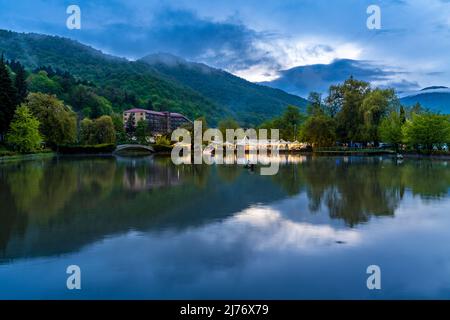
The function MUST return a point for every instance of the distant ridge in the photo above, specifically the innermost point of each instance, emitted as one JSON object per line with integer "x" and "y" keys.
{"x": 239, "y": 95}
{"x": 433, "y": 88}
{"x": 435, "y": 98}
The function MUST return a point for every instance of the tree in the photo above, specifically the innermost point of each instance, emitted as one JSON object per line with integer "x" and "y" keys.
{"x": 86, "y": 136}
{"x": 150, "y": 105}
{"x": 334, "y": 101}
{"x": 142, "y": 131}
{"x": 57, "y": 122}
{"x": 41, "y": 82}
{"x": 288, "y": 124}
{"x": 121, "y": 136}
{"x": 390, "y": 129}
{"x": 98, "y": 131}
{"x": 8, "y": 99}
{"x": 20, "y": 83}
{"x": 100, "y": 106}
{"x": 104, "y": 131}
{"x": 350, "y": 118}
{"x": 24, "y": 134}
{"x": 375, "y": 106}
{"x": 417, "y": 109}
{"x": 319, "y": 130}
{"x": 402, "y": 115}
{"x": 129, "y": 126}
{"x": 80, "y": 98}
{"x": 228, "y": 123}
{"x": 83, "y": 98}
{"x": 315, "y": 105}
{"x": 427, "y": 130}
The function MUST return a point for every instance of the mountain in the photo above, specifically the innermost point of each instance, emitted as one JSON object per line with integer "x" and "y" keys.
{"x": 251, "y": 103}
{"x": 435, "y": 98}
{"x": 107, "y": 72}
{"x": 168, "y": 82}
{"x": 318, "y": 77}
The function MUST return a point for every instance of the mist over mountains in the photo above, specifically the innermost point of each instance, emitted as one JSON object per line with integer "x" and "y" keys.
{"x": 318, "y": 77}
{"x": 169, "y": 82}
{"x": 163, "y": 81}
{"x": 244, "y": 99}
{"x": 436, "y": 98}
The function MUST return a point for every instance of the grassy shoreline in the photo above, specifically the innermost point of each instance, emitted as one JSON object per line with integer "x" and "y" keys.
{"x": 363, "y": 152}
{"x": 29, "y": 156}
{"x": 325, "y": 153}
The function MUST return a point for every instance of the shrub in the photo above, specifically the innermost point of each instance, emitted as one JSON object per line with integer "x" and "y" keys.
{"x": 6, "y": 153}
{"x": 87, "y": 149}
{"x": 162, "y": 148}
{"x": 163, "y": 141}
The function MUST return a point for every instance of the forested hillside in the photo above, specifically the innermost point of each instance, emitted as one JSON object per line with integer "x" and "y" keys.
{"x": 123, "y": 83}
{"x": 251, "y": 103}
{"x": 192, "y": 89}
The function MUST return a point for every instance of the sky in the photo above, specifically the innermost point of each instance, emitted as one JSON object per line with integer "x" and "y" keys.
{"x": 258, "y": 39}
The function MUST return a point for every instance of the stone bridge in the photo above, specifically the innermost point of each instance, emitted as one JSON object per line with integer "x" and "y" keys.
{"x": 133, "y": 147}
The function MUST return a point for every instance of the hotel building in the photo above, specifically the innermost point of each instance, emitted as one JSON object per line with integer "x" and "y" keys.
{"x": 160, "y": 122}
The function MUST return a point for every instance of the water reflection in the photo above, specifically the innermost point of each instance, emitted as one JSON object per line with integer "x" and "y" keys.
{"x": 87, "y": 199}
{"x": 354, "y": 189}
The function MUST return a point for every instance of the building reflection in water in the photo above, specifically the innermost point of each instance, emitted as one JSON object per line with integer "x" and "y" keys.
{"x": 151, "y": 176}
{"x": 257, "y": 159}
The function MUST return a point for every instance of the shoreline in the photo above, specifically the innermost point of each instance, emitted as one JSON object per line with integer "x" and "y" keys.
{"x": 27, "y": 157}
{"x": 426, "y": 156}
{"x": 46, "y": 155}
{"x": 352, "y": 153}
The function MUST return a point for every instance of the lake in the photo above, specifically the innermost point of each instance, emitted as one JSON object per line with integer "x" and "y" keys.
{"x": 142, "y": 228}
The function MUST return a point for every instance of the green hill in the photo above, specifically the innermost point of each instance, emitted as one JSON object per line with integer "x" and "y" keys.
{"x": 192, "y": 89}
{"x": 107, "y": 72}
{"x": 249, "y": 102}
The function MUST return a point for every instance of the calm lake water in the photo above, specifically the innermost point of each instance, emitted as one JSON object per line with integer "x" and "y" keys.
{"x": 144, "y": 228}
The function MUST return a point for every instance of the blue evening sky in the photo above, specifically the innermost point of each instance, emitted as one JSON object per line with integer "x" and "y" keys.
{"x": 256, "y": 39}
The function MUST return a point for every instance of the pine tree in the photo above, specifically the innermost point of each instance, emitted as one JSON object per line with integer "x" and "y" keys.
{"x": 21, "y": 84}
{"x": 8, "y": 99}
{"x": 130, "y": 125}
{"x": 402, "y": 115}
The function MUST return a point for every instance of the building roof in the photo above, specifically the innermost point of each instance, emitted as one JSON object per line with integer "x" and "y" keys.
{"x": 159, "y": 113}
{"x": 135, "y": 110}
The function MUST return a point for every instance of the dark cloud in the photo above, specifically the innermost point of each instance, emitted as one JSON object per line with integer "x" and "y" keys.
{"x": 435, "y": 73}
{"x": 232, "y": 34}
{"x": 226, "y": 44}
{"x": 402, "y": 86}
{"x": 318, "y": 77}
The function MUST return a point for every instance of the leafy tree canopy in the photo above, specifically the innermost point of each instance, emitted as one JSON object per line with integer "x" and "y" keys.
{"x": 57, "y": 121}
{"x": 24, "y": 134}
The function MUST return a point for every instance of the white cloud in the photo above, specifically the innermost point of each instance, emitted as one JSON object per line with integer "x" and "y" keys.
{"x": 289, "y": 53}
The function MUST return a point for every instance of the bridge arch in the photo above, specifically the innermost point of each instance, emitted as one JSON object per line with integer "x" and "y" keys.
{"x": 133, "y": 147}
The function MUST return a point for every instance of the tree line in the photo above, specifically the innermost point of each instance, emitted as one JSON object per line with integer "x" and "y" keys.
{"x": 32, "y": 116}
{"x": 354, "y": 113}
{"x": 52, "y": 106}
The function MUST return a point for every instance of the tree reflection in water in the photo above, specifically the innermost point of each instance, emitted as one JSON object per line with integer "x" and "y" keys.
{"x": 84, "y": 199}
{"x": 355, "y": 188}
